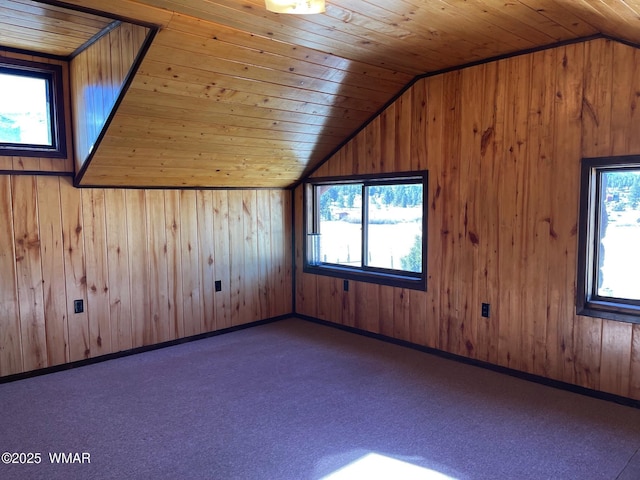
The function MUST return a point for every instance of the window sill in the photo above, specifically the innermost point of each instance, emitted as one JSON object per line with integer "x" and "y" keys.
{"x": 621, "y": 312}
{"x": 380, "y": 278}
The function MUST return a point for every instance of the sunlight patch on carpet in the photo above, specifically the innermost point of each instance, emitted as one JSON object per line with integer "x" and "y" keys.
{"x": 374, "y": 466}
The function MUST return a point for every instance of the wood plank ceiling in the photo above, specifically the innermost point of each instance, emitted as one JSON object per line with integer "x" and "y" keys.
{"x": 230, "y": 95}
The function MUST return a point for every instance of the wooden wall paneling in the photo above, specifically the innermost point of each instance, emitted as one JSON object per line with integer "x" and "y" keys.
{"x": 309, "y": 298}
{"x": 615, "y": 366}
{"x": 96, "y": 267}
{"x": 236, "y": 257}
{"x": 251, "y": 268}
{"x": 596, "y": 132}
{"x": 299, "y": 303}
{"x": 52, "y": 254}
{"x": 624, "y": 99}
{"x": 374, "y": 152}
{"x": 527, "y": 179}
{"x": 93, "y": 93}
{"x": 75, "y": 272}
{"x": 634, "y": 141}
{"x": 403, "y": 107}
{"x": 281, "y": 225}
{"x": 68, "y": 165}
{"x": 538, "y": 208}
{"x": 471, "y": 196}
{"x": 137, "y": 234}
{"x": 29, "y": 272}
{"x": 98, "y": 74}
{"x": 419, "y": 123}
{"x": 6, "y": 163}
{"x": 323, "y": 296}
{"x": 107, "y": 92}
{"x": 173, "y": 225}
{"x": 118, "y": 270}
{"x": 387, "y": 138}
{"x": 371, "y": 294}
{"x": 616, "y": 338}
{"x": 486, "y": 347}
{"x": 419, "y": 320}
{"x": 26, "y": 163}
{"x": 359, "y": 151}
{"x": 287, "y": 245}
{"x": 366, "y": 300}
{"x": 190, "y": 261}
{"x": 514, "y": 84}
{"x": 160, "y": 326}
{"x": 497, "y": 145}
{"x": 402, "y": 315}
{"x": 138, "y": 35}
{"x": 222, "y": 252}
{"x": 207, "y": 256}
{"x": 521, "y": 342}
{"x": 565, "y": 186}
{"x": 333, "y": 167}
{"x": 119, "y": 67}
{"x": 264, "y": 259}
{"x": 79, "y": 75}
{"x": 335, "y": 300}
{"x": 359, "y": 304}
{"x": 518, "y": 167}
{"x": 634, "y": 374}
{"x": 501, "y": 145}
{"x": 385, "y": 305}
{"x": 323, "y": 171}
{"x": 10, "y": 338}
{"x": 597, "y": 102}
{"x": 451, "y": 230}
{"x": 348, "y": 305}
{"x": 346, "y": 159}
{"x": 435, "y": 133}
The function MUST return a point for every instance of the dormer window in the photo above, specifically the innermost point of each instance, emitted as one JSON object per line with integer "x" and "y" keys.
{"x": 31, "y": 109}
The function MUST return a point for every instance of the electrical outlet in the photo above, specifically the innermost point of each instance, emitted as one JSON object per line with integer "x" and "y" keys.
{"x": 78, "y": 306}
{"x": 485, "y": 310}
{"x": 218, "y": 285}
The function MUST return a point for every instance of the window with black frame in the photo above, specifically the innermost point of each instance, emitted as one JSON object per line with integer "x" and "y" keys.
{"x": 31, "y": 115}
{"x": 370, "y": 228}
{"x": 609, "y": 255}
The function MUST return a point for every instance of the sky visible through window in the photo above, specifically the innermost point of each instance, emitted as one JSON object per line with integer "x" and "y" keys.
{"x": 619, "y": 258}
{"x": 24, "y": 110}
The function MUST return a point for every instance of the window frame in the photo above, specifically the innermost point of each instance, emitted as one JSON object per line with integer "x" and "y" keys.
{"x": 53, "y": 74}
{"x": 588, "y": 302}
{"x": 364, "y": 273}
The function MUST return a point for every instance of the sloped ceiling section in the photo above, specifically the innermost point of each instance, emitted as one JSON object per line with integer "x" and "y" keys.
{"x": 48, "y": 29}
{"x": 230, "y": 95}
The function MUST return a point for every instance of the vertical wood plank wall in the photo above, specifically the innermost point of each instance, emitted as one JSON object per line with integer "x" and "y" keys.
{"x": 503, "y": 143}
{"x": 143, "y": 261}
{"x": 37, "y": 164}
{"x": 98, "y": 74}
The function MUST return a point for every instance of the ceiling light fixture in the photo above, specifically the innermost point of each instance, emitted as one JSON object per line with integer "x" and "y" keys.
{"x": 295, "y": 6}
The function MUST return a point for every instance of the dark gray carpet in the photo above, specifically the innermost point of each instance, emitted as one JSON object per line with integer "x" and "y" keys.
{"x": 296, "y": 400}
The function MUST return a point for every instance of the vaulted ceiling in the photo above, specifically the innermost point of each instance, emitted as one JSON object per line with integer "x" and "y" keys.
{"x": 230, "y": 95}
